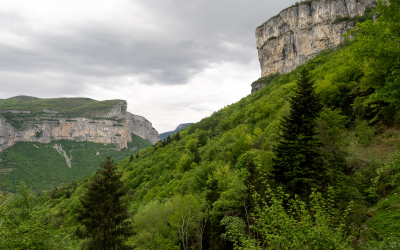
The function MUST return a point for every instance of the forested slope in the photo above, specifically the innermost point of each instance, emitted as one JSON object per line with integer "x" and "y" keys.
{"x": 213, "y": 188}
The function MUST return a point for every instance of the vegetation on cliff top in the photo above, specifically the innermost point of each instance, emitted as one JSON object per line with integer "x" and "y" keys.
{"x": 68, "y": 107}
{"x": 214, "y": 186}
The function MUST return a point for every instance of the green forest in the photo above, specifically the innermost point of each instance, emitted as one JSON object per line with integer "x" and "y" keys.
{"x": 42, "y": 168}
{"x": 243, "y": 178}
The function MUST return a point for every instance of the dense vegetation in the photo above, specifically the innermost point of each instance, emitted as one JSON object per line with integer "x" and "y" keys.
{"x": 42, "y": 168}
{"x": 214, "y": 187}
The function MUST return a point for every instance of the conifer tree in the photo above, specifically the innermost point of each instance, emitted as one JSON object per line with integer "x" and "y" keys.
{"x": 178, "y": 136}
{"x": 104, "y": 212}
{"x": 297, "y": 164}
{"x": 169, "y": 139}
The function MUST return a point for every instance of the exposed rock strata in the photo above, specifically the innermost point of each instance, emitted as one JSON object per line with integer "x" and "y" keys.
{"x": 116, "y": 127}
{"x": 300, "y": 32}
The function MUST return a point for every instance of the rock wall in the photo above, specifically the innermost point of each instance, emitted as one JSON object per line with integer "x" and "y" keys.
{"x": 114, "y": 127}
{"x": 300, "y": 32}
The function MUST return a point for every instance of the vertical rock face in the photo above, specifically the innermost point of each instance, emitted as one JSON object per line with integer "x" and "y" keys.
{"x": 116, "y": 127}
{"x": 300, "y": 32}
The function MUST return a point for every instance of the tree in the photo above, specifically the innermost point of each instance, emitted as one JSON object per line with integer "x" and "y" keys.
{"x": 177, "y": 136}
{"x": 297, "y": 164}
{"x": 188, "y": 212}
{"x": 104, "y": 212}
{"x": 284, "y": 223}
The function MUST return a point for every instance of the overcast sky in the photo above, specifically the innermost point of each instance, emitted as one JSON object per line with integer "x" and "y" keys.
{"x": 174, "y": 61}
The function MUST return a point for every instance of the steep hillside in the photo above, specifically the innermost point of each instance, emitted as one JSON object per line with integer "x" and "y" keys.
{"x": 208, "y": 165}
{"x": 215, "y": 187}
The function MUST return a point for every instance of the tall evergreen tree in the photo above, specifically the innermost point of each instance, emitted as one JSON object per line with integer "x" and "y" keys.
{"x": 169, "y": 139}
{"x": 297, "y": 164}
{"x": 177, "y": 136}
{"x": 104, "y": 212}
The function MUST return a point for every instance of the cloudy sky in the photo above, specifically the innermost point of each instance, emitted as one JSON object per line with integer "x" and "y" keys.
{"x": 174, "y": 61}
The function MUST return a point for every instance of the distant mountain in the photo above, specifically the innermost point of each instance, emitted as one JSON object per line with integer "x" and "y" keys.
{"x": 49, "y": 142}
{"x": 179, "y": 128}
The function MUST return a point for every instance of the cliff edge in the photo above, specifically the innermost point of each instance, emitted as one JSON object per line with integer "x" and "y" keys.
{"x": 79, "y": 119}
{"x": 300, "y": 32}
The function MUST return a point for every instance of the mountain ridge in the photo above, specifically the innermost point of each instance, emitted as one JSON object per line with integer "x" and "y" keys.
{"x": 164, "y": 135}
{"x": 28, "y": 119}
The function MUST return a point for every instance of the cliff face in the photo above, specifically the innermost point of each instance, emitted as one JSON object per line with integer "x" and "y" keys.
{"x": 301, "y": 32}
{"x": 115, "y": 126}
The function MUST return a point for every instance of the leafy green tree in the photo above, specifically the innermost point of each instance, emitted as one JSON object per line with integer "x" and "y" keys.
{"x": 298, "y": 165}
{"x": 25, "y": 224}
{"x": 104, "y": 212}
{"x": 284, "y": 223}
{"x": 185, "y": 162}
{"x": 152, "y": 228}
{"x": 192, "y": 145}
{"x": 188, "y": 212}
{"x": 202, "y": 138}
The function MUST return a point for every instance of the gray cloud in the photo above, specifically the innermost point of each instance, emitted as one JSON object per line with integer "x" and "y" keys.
{"x": 187, "y": 37}
{"x": 106, "y": 48}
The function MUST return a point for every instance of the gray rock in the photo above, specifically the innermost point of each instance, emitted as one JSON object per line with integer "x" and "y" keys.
{"x": 51, "y": 126}
{"x": 300, "y": 32}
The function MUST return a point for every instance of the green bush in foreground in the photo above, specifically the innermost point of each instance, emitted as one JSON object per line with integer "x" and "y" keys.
{"x": 281, "y": 223}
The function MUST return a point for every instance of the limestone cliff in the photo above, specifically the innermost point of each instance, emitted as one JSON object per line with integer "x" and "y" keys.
{"x": 300, "y": 32}
{"x": 113, "y": 126}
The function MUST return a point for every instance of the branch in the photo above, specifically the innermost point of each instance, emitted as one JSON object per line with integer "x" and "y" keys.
{"x": 393, "y": 39}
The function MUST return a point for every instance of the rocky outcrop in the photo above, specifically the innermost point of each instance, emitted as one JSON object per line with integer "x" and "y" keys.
{"x": 115, "y": 126}
{"x": 257, "y": 86}
{"x": 300, "y": 32}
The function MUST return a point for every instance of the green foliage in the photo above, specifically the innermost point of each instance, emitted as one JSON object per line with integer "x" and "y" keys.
{"x": 151, "y": 226}
{"x": 302, "y": 226}
{"x": 378, "y": 52}
{"x": 25, "y": 224}
{"x": 368, "y": 15}
{"x": 104, "y": 211}
{"x": 269, "y": 78}
{"x": 392, "y": 169}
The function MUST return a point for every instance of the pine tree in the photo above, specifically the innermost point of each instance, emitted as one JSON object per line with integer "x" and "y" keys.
{"x": 178, "y": 136}
{"x": 131, "y": 158}
{"x": 169, "y": 139}
{"x": 104, "y": 212}
{"x": 297, "y": 164}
